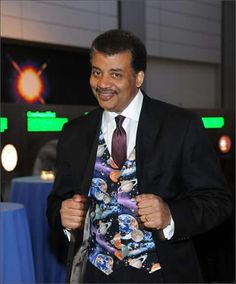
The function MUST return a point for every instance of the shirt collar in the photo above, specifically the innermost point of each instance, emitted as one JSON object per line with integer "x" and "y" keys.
{"x": 132, "y": 111}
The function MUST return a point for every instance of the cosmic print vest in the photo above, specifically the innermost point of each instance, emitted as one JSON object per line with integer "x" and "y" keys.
{"x": 117, "y": 238}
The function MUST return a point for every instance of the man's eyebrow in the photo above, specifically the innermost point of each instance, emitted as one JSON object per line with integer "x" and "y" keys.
{"x": 117, "y": 70}
{"x": 95, "y": 67}
{"x": 110, "y": 70}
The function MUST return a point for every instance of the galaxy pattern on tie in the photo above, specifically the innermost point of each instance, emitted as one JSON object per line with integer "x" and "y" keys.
{"x": 117, "y": 236}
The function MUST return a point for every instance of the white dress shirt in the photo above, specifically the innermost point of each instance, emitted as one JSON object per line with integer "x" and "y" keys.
{"x": 130, "y": 124}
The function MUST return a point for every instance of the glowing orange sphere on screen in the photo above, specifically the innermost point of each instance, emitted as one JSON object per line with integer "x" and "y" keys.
{"x": 30, "y": 85}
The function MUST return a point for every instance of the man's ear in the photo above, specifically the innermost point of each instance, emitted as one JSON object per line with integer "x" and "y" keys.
{"x": 139, "y": 79}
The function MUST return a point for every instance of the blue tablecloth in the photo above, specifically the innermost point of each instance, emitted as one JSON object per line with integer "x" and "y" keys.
{"x": 33, "y": 193}
{"x": 16, "y": 259}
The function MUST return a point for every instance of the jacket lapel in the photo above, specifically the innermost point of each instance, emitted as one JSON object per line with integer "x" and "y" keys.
{"x": 93, "y": 135}
{"x": 147, "y": 135}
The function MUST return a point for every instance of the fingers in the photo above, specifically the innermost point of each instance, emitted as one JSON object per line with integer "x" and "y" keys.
{"x": 143, "y": 196}
{"x": 153, "y": 211}
{"x": 73, "y": 223}
{"x": 80, "y": 198}
{"x": 147, "y": 203}
{"x": 73, "y": 211}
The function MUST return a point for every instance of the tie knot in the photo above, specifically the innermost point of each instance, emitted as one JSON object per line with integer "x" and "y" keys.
{"x": 119, "y": 120}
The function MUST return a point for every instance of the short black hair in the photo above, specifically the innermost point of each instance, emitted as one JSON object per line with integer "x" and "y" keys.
{"x": 116, "y": 41}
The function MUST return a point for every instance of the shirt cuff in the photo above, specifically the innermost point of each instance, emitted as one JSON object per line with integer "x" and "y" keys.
{"x": 67, "y": 233}
{"x": 168, "y": 231}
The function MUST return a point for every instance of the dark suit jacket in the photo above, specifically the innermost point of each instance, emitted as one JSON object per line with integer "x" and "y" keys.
{"x": 175, "y": 160}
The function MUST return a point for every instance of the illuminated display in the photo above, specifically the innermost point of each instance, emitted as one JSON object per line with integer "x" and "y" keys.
{"x": 30, "y": 85}
{"x": 47, "y": 121}
{"x": 44, "y": 121}
{"x": 3, "y": 124}
{"x": 41, "y": 114}
{"x": 213, "y": 122}
{"x": 37, "y": 73}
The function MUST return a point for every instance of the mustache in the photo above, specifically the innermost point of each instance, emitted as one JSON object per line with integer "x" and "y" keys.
{"x": 105, "y": 90}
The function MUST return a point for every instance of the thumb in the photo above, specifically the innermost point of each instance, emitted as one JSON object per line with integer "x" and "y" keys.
{"x": 79, "y": 198}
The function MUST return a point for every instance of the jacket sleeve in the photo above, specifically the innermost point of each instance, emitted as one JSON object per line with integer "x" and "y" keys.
{"x": 205, "y": 201}
{"x": 62, "y": 187}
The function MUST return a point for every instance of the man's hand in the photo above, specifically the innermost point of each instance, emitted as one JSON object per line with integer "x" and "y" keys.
{"x": 153, "y": 211}
{"x": 73, "y": 211}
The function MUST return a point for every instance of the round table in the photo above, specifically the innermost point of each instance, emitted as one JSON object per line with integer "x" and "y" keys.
{"x": 33, "y": 193}
{"x": 16, "y": 259}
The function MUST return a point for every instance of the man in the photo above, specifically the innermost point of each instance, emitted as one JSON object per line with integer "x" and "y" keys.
{"x": 145, "y": 169}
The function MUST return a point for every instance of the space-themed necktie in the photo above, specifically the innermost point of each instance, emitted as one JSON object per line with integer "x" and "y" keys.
{"x": 118, "y": 150}
{"x": 117, "y": 237}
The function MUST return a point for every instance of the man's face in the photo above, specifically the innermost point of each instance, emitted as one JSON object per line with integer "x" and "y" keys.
{"x": 113, "y": 81}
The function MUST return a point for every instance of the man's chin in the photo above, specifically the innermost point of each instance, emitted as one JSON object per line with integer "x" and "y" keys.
{"x": 107, "y": 107}
{"x": 107, "y": 104}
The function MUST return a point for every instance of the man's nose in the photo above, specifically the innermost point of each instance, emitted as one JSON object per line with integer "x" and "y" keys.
{"x": 104, "y": 82}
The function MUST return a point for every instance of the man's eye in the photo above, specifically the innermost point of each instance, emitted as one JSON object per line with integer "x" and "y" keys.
{"x": 96, "y": 73}
{"x": 116, "y": 75}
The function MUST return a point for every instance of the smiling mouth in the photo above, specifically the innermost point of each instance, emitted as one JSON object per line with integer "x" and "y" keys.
{"x": 105, "y": 94}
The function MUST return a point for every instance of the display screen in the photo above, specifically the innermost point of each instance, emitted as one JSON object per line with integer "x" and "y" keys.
{"x": 42, "y": 74}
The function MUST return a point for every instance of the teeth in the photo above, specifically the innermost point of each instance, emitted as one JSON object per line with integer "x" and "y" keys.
{"x": 105, "y": 94}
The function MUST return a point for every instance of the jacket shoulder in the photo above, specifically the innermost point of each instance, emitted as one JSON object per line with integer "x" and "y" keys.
{"x": 169, "y": 112}
{"x": 82, "y": 122}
